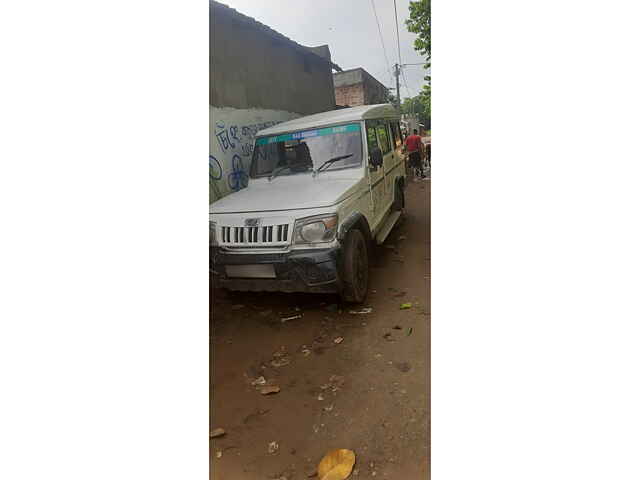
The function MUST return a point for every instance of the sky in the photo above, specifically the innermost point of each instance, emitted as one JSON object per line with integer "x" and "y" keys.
{"x": 349, "y": 28}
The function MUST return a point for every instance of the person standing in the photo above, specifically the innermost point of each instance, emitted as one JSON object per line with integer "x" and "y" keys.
{"x": 413, "y": 146}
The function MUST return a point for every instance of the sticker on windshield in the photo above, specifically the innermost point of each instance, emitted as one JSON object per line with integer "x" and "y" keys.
{"x": 352, "y": 127}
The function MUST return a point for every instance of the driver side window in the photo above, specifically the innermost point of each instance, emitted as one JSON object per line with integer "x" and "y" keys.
{"x": 372, "y": 141}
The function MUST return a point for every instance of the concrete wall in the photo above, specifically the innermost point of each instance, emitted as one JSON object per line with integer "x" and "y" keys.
{"x": 231, "y": 137}
{"x": 356, "y": 87}
{"x": 257, "y": 78}
{"x": 352, "y": 95}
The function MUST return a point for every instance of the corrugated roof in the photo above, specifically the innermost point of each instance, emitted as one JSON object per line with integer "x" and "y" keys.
{"x": 269, "y": 31}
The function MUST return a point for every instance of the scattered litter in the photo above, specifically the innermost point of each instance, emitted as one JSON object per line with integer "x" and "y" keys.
{"x": 218, "y": 432}
{"x": 406, "y": 306}
{"x": 293, "y": 317}
{"x": 273, "y": 447}
{"x": 378, "y": 355}
{"x": 399, "y": 294}
{"x": 237, "y": 307}
{"x": 401, "y": 237}
{"x": 328, "y": 408}
{"x": 397, "y": 327}
{"x": 320, "y": 397}
{"x": 410, "y": 331}
{"x": 259, "y": 381}
{"x": 280, "y": 358}
{"x": 219, "y": 454}
{"x": 337, "y": 464}
{"x": 280, "y": 362}
{"x": 338, "y": 340}
{"x": 305, "y": 351}
{"x": 269, "y": 389}
{"x": 336, "y": 382}
{"x": 362, "y": 311}
{"x": 388, "y": 337}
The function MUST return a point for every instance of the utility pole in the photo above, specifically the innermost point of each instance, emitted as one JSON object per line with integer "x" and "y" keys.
{"x": 397, "y": 74}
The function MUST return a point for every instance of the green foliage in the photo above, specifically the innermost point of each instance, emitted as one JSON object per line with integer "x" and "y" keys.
{"x": 419, "y": 105}
{"x": 419, "y": 22}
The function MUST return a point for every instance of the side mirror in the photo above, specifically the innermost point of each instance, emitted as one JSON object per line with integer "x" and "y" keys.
{"x": 375, "y": 157}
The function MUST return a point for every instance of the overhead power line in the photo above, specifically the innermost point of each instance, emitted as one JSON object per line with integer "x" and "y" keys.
{"x": 384, "y": 50}
{"x": 397, "y": 32}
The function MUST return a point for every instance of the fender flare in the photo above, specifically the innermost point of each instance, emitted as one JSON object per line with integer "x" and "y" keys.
{"x": 353, "y": 220}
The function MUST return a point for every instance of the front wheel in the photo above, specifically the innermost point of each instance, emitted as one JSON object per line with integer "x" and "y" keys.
{"x": 355, "y": 272}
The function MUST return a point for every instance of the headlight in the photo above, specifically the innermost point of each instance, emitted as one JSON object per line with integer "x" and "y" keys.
{"x": 315, "y": 229}
{"x": 212, "y": 233}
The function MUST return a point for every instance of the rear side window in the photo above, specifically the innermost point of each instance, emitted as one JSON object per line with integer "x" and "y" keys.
{"x": 397, "y": 136}
{"x": 372, "y": 142}
{"x": 383, "y": 137}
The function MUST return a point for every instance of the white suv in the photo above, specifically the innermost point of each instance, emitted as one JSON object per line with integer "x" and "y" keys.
{"x": 322, "y": 189}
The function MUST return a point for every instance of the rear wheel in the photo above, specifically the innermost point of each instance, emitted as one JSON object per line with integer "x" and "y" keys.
{"x": 355, "y": 271}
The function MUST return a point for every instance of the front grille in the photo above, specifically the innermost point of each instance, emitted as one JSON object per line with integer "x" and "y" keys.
{"x": 254, "y": 236}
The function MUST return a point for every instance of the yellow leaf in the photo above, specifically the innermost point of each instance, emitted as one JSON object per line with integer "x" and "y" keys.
{"x": 336, "y": 465}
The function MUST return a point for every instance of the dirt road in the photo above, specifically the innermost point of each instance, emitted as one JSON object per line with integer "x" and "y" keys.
{"x": 368, "y": 392}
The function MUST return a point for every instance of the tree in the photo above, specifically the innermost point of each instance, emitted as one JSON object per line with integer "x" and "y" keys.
{"x": 419, "y": 22}
{"x": 419, "y": 105}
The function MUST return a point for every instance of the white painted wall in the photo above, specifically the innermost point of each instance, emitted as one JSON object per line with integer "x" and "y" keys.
{"x": 231, "y": 135}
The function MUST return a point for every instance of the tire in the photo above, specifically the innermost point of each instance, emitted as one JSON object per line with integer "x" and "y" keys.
{"x": 355, "y": 270}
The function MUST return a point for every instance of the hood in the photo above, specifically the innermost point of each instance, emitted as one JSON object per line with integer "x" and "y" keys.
{"x": 287, "y": 193}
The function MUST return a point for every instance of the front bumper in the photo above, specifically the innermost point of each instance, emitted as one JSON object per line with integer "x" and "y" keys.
{"x": 313, "y": 270}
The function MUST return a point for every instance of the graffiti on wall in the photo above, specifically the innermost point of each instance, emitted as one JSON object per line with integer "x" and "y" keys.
{"x": 232, "y": 149}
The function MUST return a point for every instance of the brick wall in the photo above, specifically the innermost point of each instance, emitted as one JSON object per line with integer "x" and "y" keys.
{"x": 351, "y": 95}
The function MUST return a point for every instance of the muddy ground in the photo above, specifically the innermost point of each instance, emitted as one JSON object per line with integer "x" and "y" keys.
{"x": 368, "y": 392}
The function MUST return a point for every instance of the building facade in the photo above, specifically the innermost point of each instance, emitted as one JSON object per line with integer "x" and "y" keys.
{"x": 257, "y": 78}
{"x": 357, "y": 87}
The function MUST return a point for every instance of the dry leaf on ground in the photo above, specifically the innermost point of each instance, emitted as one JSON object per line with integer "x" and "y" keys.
{"x": 268, "y": 389}
{"x": 218, "y": 432}
{"x": 337, "y": 464}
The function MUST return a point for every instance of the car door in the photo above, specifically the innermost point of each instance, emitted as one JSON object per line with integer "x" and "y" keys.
{"x": 388, "y": 160}
{"x": 375, "y": 174}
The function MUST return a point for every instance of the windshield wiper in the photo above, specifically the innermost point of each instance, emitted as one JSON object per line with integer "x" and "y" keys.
{"x": 329, "y": 162}
{"x": 277, "y": 171}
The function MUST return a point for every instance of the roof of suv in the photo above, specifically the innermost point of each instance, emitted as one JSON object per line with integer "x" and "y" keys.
{"x": 333, "y": 117}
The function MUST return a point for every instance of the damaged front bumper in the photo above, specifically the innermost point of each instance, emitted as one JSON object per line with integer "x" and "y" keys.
{"x": 314, "y": 270}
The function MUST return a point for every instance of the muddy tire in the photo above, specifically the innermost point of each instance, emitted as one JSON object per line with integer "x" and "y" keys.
{"x": 355, "y": 271}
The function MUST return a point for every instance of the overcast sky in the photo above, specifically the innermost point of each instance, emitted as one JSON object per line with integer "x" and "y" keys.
{"x": 349, "y": 28}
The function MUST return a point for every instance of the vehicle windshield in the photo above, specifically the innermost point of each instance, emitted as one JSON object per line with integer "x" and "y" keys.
{"x": 308, "y": 150}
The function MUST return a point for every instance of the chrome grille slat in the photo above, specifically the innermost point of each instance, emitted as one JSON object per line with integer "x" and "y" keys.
{"x": 254, "y": 237}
